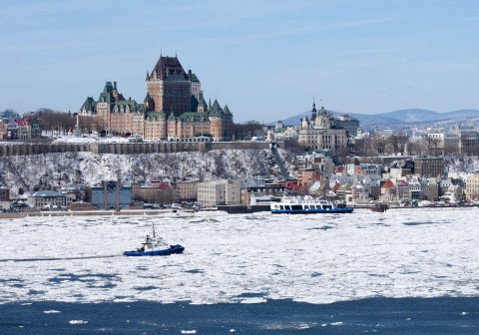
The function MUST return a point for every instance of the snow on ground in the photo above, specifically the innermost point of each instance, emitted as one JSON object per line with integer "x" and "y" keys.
{"x": 243, "y": 258}
{"x": 89, "y": 139}
{"x": 462, "y": 167}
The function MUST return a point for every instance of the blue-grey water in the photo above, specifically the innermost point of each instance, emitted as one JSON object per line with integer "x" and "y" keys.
{"x": 444, "y": 315}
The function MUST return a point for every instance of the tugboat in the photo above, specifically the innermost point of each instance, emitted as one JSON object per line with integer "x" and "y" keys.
{"x": 307, "y": 205}
{"x": 155, "y": 247}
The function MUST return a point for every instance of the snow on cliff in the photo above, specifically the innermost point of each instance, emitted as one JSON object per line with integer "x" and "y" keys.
{"x": 88, "y": 169}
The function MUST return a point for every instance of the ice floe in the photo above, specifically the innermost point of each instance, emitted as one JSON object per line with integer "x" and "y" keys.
{"x": 230, "y": 258}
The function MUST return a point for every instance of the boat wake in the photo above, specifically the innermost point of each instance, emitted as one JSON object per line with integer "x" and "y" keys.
{"x": 55, "y": 258}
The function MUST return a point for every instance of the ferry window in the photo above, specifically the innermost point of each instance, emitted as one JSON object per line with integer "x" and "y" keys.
{"x": 281, "y": 207}
{"x": 297, "y": 207}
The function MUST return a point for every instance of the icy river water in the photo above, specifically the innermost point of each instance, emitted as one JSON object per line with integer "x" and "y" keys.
{"x": 405, "y": 271}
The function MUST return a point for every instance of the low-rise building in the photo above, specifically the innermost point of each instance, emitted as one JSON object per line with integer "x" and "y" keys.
{"x": 4, "y": 194}
{"x": 430, "y": 189}
{"x": 4, "y": 198}
{"x": 319, "y": 162}
{"x": 429, "y": 166}
{"x": 156, "y": 192}
{"x": 3, "y": 130}
{"x": 187, "y": 190}
{"x": 219, "y": 192}
{"x": 47, "y": 199}
{"x": 252, "y": 189}
{"x": 111, "y": 195}
{"x": 472, "y": 187}
{"x": 349, "y": 123}
{"x": 24, "y": 131}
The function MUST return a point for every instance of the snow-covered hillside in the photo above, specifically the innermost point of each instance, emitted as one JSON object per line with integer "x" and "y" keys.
{"x": 462, "y": 167}
{"x": 88, "y": 169}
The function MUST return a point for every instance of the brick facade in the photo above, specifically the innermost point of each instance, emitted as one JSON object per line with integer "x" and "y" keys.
{"x": 173, "y": 109}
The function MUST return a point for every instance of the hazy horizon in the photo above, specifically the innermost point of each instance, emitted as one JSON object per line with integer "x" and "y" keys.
{"x": 266, "y": 60}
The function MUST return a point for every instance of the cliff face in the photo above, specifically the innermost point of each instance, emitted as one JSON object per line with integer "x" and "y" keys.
{"x": 85, "y": 169}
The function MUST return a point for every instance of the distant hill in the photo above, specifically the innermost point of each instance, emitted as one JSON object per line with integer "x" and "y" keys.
{"x": 398, "y": 118}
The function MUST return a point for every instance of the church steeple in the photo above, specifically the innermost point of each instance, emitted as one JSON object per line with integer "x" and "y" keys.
{"x": 313, "y": 111}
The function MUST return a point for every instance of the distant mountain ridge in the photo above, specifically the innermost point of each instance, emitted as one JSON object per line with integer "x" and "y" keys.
{"x": 397, "y": 118}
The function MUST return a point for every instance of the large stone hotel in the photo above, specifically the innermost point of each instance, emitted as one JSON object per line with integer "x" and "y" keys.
{"x": 174, "y": 108}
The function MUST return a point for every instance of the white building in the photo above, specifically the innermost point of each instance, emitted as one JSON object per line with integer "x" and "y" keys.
{"x": 472, "y": 187}
{"x": 219, "y": 192}
{"x": 322, "y": 133}
{"x": 47, "y": 198}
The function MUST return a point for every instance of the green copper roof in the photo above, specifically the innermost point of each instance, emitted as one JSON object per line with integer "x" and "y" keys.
{"x": 194, "y": 117}
{"x": 216, "y": 110}
{"x": 323, "y": 112}
{"x": 227, "y": 111}
{"x": 89, "y": 104}
{"x": 155, "y": 115}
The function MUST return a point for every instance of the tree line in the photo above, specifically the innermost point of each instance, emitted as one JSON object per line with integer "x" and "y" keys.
{"x": 380, "y": 144}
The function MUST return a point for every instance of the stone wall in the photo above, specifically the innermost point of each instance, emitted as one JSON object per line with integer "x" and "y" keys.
{"x": 20, "y": 149}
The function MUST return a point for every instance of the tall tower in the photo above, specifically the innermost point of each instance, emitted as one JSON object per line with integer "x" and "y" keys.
{"x": 169, "y": 86}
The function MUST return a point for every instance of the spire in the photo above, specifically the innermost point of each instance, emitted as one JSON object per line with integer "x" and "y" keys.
{"x": 313, "y": 111}
{"x": 147, "y": 75}
{"x": 216, "y": 109}
{"x": 226, "y": 110}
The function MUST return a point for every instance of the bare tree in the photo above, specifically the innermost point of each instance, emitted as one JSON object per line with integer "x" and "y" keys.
{"x": 380, "y": 144}
{"x": 399, "y": 143}
{"x": 49, "y": 119}
{"x": 85, "y": 123}
{"x": 245, "y": 131}
{"x": 432, "y": 145}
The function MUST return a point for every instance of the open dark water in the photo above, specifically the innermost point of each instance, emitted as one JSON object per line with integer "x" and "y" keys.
{"x": 369, "y": 316}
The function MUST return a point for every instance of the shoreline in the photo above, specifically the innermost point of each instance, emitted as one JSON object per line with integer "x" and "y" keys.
{"x": 126, "y": 212}
{"x": 179, "y": 213}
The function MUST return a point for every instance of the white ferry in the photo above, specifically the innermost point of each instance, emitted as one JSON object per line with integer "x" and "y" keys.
{"x": 307, "y": 205}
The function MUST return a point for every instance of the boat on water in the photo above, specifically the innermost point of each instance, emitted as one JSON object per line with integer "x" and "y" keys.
{"x": 153, "y": 246}
{"x": 307, "y": 205}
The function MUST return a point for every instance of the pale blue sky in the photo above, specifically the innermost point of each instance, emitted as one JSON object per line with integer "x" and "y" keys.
{"x": 266, "y": 59}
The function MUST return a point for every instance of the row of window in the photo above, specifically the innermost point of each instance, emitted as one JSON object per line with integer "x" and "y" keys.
{"x": 302, "y": 207}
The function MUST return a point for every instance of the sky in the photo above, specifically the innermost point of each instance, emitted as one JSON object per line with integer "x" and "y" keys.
{"x": 267, "y": 59}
